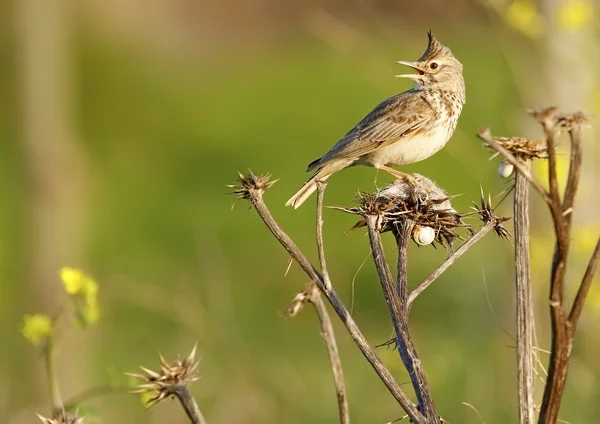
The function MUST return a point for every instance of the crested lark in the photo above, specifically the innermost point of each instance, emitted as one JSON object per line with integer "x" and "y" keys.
{"x": 406, "y": 128}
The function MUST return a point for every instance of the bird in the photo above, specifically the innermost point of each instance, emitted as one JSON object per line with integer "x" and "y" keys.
{"x": 406, "y": 128}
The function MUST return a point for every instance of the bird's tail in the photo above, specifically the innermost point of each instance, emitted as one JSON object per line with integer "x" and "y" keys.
{"x": 322, "y": 174}
{"x": 307, "y": 189}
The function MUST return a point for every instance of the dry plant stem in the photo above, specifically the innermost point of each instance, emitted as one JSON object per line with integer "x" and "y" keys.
{"x": 399, "y": 313}
{"x": 525, "y": 315}
{"x": 584, "y": 288}
{"x": 321, "y": 185}
{"x": 486, "y": 136}
{"x": 189, "y": 404}
{"x": 402, "y": 236}
{"x": 486, "y": 228}
{"x": 555, "y": 203}
{"x": 574, "y": 174}
{"x": 334, "y": 355}
{"x": 330, "y": 294}
{"x": 562, "y": 334}
{"x": 326, "y": 326}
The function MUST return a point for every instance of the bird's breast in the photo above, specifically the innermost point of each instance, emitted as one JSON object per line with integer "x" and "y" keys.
{"x": 413, "y": 148}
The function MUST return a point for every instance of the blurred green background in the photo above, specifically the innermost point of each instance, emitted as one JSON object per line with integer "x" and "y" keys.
{"x": 122, "y": 122}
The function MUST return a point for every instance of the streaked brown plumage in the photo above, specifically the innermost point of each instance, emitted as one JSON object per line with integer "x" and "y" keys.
{"x": 406, "y": 128}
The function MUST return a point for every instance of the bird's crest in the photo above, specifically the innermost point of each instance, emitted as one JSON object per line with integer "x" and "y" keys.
{"x": 434, "y": 49}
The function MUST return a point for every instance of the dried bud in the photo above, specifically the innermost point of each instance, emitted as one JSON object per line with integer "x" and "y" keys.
{"x": 423, "y": 235}
{"x": 62, "y": 418}
{"x": 506, "y": 169}
{"x": 162, "y": 384}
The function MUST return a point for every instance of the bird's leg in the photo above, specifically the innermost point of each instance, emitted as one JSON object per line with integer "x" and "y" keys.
{"x": 375, "y": 180}
{"x": 398, "y": 174}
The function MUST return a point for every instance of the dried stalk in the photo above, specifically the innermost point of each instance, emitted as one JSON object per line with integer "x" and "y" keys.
{"x": 252, "y": 188}
{"x": 486, "y": 228}
{"x": 584, "y": 287}
{"x": 334, "y": 355}
{"x": 562, "y": 336}
{"x": 321, "y": 185}
{"x": 189, "y": 404}
{"x": 326, "y": 326}
{"x": 525, "y": 314}
{"x": 399, "y": 313}
{"x": 402, "y": 236}
{"x": 563, "y": 322}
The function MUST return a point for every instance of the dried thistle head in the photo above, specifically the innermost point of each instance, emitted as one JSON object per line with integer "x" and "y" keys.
{"x": 416, "y": 198}
{"x": 522, "y": 148}
{"x": 63, "y": 418}
{"x": 550, "y": 117}
{"x": 251, "y": 183}
{"x": 164, "y": 383}
{"x": 571, "y": 121}
{"x": 487, "y": 214}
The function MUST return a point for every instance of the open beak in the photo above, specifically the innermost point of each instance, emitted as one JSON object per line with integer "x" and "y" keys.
{"x": 412, "y": 65}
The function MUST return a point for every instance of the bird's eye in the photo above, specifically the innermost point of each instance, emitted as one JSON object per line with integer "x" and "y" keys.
{"x": 433, "y": 65}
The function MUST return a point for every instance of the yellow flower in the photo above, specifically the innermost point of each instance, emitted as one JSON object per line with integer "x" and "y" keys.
{"x": 73, "y": 279}
{"x": 91, "y": 313}
{"x": 575, "y": 14}
{"x": 83, "y": 290}
{"x": 523, "y": 16}
{"x": 36, "y": 328}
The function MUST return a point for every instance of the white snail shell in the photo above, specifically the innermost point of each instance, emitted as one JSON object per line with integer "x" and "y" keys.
{"x": 506, "y": 169}
{"x": 423, "y": 235}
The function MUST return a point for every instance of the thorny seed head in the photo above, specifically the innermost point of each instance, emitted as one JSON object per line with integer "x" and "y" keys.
{"x": 417, "y": 199}
{"x": 249, "y": 183}
{"x": 550, "y": 118}
{"x": 487, "y": 214}
{"x": 571, "y": 121}
{"x": 522, "y": 148}
{"x": 63, "y": 418}
{"x": 164, "y": 382}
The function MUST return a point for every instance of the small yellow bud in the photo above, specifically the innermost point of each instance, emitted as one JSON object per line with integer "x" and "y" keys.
{"x": 83, "y": 290}
{"x": 523, "y": 16}
{"x": 36, "y": 328}
{"x": 575, "y": 15}
{"x": 73, "y": 279}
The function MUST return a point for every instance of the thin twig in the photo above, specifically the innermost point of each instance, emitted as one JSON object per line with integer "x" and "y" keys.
{"x": 189, "y": 404}
{"x": 399, "y": 314}
{"x": 321, "y": 185}
{"x": 334, "y": 354}
{"x": 574, "y": 171}
{"x": 524, "y": 299}
{"x": 548, "y": 122}
{"x": 584, "y": 288}
{"x": 326, "y": 326}
{"x": 547, "y": 118}
{"x": 486, "y": 136}
{"x": 486, "y": 228}
{"x": 255, "y": 195}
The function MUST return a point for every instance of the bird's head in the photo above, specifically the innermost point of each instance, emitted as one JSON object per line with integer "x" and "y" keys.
{"x": 437, "y": 69}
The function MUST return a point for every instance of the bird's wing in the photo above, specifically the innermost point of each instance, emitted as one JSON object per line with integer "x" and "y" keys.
{"x": 390, "y": 121}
